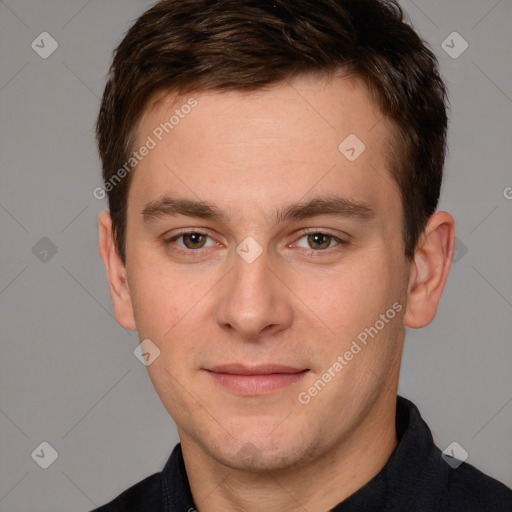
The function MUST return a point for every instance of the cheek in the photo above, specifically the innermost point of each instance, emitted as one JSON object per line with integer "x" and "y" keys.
{"x": 351, "y": 297}
{"x": 160, "y": 297}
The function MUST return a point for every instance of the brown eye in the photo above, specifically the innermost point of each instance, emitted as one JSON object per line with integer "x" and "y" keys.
{"x": 194, "y": 240}
{"x": 319, "y": 240}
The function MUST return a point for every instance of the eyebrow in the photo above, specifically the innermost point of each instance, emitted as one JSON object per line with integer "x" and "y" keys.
{"x": 326, "y": 205}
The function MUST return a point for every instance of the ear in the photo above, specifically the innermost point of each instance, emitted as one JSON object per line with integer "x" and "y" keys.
{"x": 116, "y": 273}
{"x": 429, "y": 270}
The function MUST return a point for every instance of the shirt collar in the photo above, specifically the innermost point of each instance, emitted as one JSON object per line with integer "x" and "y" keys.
{"x": 402, "y": 470}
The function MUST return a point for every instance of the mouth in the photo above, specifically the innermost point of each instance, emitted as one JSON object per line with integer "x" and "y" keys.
{"x": 255, "y": 380}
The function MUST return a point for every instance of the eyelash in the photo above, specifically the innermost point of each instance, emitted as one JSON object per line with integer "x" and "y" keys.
{"x": 194, "y": 253}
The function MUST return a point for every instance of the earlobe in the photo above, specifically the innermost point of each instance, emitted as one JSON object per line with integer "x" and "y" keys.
{"x": 116, "y": 273}
{"x": 430, "y": 269}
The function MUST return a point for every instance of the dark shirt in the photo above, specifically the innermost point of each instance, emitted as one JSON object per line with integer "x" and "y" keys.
{"x": 415, "y": 478}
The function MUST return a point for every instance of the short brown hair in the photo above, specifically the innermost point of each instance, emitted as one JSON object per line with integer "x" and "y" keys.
{"x": 187, "y": 46}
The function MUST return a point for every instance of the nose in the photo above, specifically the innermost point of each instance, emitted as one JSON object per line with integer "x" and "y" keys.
{"x": 254, "y": 301}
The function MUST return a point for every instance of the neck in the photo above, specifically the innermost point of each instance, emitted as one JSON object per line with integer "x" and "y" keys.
{"x": 324, "y": 482}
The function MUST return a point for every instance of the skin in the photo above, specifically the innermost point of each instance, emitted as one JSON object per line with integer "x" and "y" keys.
{"x": 252, "y": 154}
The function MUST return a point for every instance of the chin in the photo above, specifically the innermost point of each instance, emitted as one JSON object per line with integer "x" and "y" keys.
{"x": 267, "y": 449}
{"x": 252, "y": 459}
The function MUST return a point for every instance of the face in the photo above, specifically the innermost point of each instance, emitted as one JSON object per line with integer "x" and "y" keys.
{"x": 265, "y": 261}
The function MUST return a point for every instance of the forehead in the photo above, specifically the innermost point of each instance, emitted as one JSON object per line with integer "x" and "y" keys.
{"x": 262, "y": 148}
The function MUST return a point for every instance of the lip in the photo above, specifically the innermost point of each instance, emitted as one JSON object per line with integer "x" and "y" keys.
{"x": 256, "y": 380}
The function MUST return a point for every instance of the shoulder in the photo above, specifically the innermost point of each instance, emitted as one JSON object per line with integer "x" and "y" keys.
{"x": 470, "y": 490}
{"x": 144, "y": 496}
{"x": 424, "y": 479}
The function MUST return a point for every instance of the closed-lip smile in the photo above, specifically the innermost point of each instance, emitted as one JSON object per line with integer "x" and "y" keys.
{"x": 255, "y": 380}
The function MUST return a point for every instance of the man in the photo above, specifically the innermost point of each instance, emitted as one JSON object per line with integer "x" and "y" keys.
{"x": 273, "y": 171}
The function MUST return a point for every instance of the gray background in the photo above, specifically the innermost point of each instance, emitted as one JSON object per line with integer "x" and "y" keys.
{"x": 68, "y": 375}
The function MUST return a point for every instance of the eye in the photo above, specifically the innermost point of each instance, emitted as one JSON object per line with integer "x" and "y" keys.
{"x": 190, "y": 240}
{"x": 319, "y": 241}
